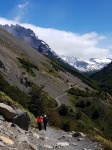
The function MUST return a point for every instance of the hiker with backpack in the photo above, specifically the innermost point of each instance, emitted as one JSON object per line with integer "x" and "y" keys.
{"x": 40, "y": 122}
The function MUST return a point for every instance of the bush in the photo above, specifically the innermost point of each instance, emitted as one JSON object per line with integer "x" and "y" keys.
{"x": 81, "y": 104}
{"x": 95, "y": 114}
{"x": 63, "y": 110}
{"x": 70, "y": 126}
{"x": 54, "y": 118}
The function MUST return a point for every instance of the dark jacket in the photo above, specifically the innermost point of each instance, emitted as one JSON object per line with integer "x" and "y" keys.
{"x": 45, "y": 119}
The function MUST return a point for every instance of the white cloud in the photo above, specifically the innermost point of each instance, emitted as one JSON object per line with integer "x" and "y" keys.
{"x": 4, "y": 21}
{"x": 21, "y": 11}
{"x": 22, "y": 6}
{"x": 67, "y": 43}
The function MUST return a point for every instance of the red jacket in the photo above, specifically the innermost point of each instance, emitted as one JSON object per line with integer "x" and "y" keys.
{"x": 40, "y": 119}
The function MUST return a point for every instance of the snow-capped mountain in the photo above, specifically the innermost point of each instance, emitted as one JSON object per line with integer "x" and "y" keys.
{"x": 93, "y": 64}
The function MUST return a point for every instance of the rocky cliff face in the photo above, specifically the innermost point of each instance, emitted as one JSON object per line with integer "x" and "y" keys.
{"x": 29, "y": 37}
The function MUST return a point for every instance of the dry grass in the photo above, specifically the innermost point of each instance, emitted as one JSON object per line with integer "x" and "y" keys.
{"x": 107, "y": 144}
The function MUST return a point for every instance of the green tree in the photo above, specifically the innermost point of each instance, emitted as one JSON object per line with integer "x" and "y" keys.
{"x": 37, "y": 105}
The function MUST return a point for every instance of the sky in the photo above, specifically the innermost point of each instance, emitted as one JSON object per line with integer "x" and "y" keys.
{"x": 75, "y": 28}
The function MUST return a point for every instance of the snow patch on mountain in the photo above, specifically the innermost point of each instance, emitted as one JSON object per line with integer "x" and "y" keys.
{"x": 93, "y": 64}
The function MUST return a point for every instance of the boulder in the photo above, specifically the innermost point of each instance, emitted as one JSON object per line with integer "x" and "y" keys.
{"x": 22, "y": 120}
{"x": 7, "y": 111}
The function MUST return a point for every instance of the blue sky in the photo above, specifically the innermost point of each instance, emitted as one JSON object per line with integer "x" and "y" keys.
{"x": 79, "y": 28}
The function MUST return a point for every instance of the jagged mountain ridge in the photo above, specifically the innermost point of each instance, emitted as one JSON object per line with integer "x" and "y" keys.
{"x": 93, "y": 64}
{"x": 29, "y": 37}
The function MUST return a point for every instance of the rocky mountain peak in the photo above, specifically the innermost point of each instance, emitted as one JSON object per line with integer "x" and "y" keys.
{"x": 19, "y": 30}
{"x": 29, "y": 37}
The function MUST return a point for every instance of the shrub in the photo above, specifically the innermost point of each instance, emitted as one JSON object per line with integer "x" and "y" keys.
{"x": 95, "y": 114}
{"x": 63, "y": 110}
{"x": 81, "y": 104}
{"x": 70, "y": 126}
{"x": 54, "y": 118}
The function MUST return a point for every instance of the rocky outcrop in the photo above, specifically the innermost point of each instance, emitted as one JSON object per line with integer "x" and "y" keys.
{"x": 18, "y": 117}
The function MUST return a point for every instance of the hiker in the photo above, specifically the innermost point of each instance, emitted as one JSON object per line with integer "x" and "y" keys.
{"x": 45, "y": 121}
{"x": 39, "y": 122}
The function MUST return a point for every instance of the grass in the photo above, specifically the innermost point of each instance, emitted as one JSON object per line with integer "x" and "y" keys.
{"x": 107, "y": 144}
{"x": 27, "y": 65}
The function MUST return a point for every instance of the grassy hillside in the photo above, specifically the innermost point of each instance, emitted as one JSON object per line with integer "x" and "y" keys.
{"x": 95, "y": 110}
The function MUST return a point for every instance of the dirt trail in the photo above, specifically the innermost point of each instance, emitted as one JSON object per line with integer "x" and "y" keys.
{"x": 64, "y": 99}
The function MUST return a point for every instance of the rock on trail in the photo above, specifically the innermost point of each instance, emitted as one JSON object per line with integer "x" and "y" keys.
{"x": 14, "y": 138}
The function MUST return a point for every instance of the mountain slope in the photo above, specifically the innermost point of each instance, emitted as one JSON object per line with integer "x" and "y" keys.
{"x": 46, "y": 74}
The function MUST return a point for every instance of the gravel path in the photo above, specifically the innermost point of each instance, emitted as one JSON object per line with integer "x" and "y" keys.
{"x": 14, "y": 138}
{"x": 53, "y": 137}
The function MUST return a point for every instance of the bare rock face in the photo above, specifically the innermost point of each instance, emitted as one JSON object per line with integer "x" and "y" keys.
{"x": 7, "y": 111}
